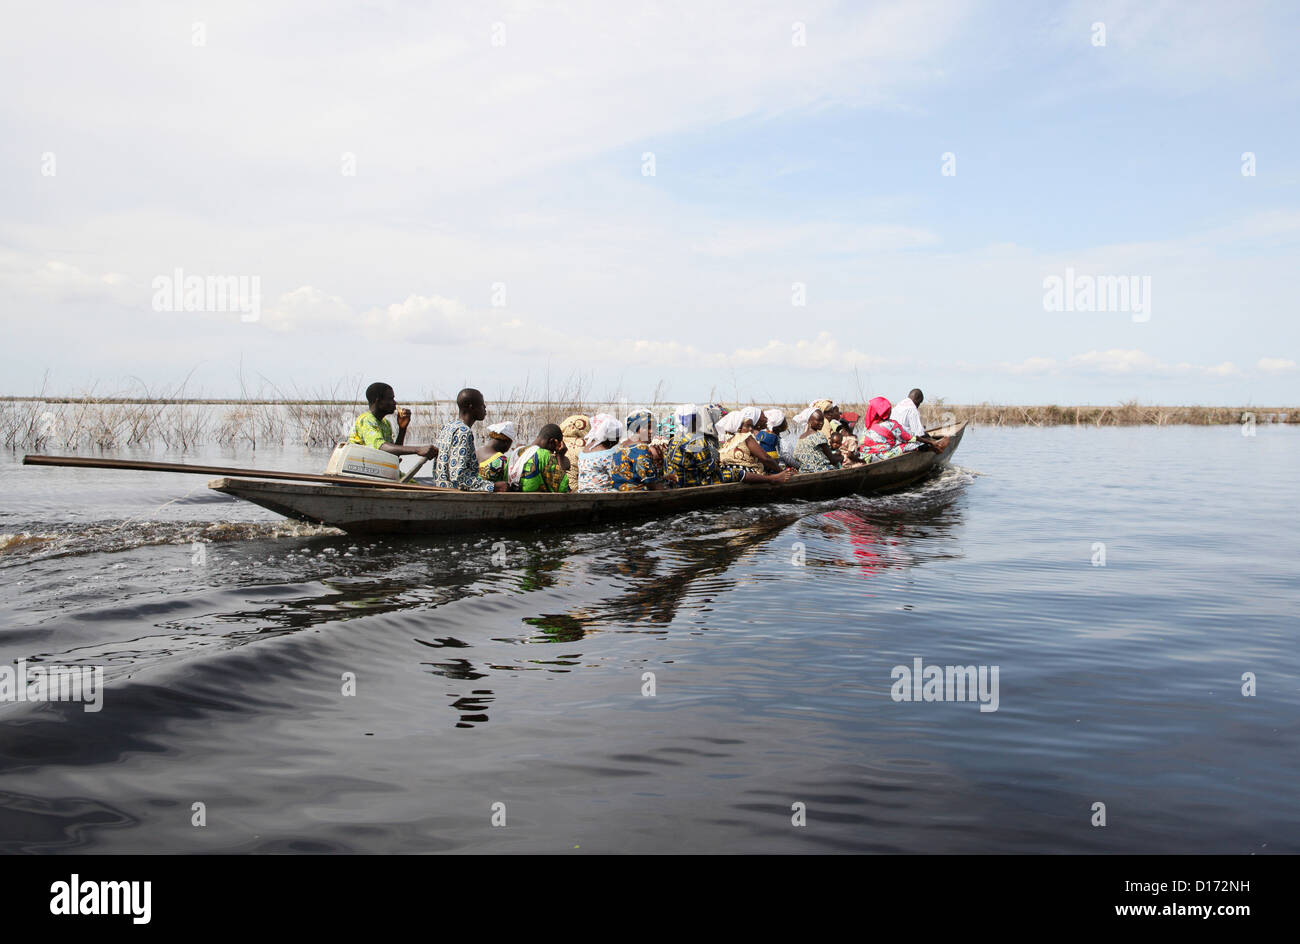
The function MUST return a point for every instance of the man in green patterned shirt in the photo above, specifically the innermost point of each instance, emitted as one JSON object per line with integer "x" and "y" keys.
{"x": 373, "y": 429}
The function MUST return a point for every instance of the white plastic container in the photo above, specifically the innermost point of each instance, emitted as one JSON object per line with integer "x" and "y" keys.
{"x": 364, "y": 463}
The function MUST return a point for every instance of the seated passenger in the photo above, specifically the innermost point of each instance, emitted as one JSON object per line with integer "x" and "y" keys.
{"x": 786, "y": 438}
{"x": 543, "y": 466}
{"x": 596, "y": 459}
{"x": 742, "y": 453}
{"x": 638, "y": 464}
{"x": 813, "y": 452}
{"x": 373, "y": 429}
{"x": 691, "y": 458}
{"x": 768, "y": 432}
{"x": 492, "y": 462}
{"x": 885, "y": 438}
{"x": 456, "y": 465}
{"x": 907, "y": 412}
{"x": 846, "y": 444}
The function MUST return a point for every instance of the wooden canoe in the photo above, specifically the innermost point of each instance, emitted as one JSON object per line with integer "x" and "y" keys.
{"x": 440, "y": 511}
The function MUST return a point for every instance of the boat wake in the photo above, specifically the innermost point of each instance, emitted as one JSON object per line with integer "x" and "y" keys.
{"x": 62, "y": 539}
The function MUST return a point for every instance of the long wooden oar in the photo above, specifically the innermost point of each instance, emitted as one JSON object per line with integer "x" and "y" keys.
{"x": 84, "y": 462}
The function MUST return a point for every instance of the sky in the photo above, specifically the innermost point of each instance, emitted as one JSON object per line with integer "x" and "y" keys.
{"x": 744, "y": 201}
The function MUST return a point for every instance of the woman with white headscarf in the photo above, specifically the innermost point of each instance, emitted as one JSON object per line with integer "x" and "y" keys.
{"x": 742, "y": 454}
{"x": 729, "y": 425}
{"x": 768, "y": 433}
{"x": 597, "y": 455}
{"x": 493, "y": 463}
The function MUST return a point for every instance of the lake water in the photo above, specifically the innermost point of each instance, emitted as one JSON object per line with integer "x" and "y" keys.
{"x": 505, "y": 676}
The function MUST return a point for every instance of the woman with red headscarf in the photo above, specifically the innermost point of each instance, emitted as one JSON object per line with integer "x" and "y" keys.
{"x": 884, "y": 438}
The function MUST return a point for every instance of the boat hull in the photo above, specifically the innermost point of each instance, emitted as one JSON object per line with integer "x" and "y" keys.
{"x": 380, "y": 510}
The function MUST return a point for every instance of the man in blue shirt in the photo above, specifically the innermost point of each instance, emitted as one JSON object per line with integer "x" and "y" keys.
{"x": 457, "y": 463}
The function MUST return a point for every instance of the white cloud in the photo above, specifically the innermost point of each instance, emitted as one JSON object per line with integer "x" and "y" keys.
{"x": 306, "y": 309}
{"x": 25, "y": 276}
{"x": 1116, "y": 361}
{"x": 1033, "y": 365}
{"x": 1274, "y": 365}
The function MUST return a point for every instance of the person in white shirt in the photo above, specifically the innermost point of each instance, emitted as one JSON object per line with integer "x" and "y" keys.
{"x": 906, "y": 413}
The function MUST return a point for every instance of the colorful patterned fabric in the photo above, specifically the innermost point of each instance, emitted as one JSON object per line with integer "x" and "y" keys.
{"x": 539, "y": 471}
{"x": 811, "y": 458}
{"x": 494, "y": 469}
{"x": 886, "y": 439}
{"x": 594, "y": 471}
{"x": 694, "y": 460}
{"x": 457, "y": 465}
{"x": 372, "y": 432}
{"x": 729, "y": 474}
{"x": 770, "y": 442}
{"x": 632, "y": 469}
{"x": 735, "y": 452}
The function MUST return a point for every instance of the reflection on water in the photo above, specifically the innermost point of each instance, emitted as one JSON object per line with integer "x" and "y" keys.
{"x": 770, "y": 635}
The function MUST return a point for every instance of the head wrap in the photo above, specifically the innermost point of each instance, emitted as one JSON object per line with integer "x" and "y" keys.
{"x": 751, "y": 413}
{"x": 504, "y": 430}
{"x": 775, "y": 418}
{"x": 640, "y": 419}
{"x": 803, "y": 415}
{"x": 729, "y": 425}
{"x": 822, "y": 405}
{"x": 604, "y": 428}
{"x": 877, "y": 410}
{"x": 575, "y": 427}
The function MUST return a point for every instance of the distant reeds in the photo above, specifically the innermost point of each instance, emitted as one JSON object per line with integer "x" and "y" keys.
{"x": 323, "y": 417}
{"x": 1129, "y": 413}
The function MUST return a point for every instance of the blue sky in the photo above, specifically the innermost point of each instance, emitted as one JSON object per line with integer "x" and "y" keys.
{"x": 512, "y": 171}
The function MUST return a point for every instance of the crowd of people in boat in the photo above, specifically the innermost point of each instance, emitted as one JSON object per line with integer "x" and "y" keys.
{"x": 693, "y": 446}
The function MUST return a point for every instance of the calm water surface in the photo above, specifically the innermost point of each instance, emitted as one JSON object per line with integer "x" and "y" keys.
{"x": 510, "y": 669}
